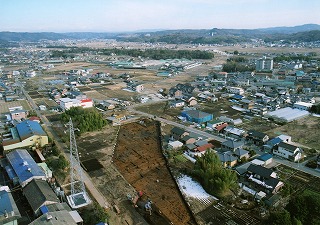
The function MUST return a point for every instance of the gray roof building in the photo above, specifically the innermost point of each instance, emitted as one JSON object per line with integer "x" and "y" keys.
{"x": 39, "y": 193}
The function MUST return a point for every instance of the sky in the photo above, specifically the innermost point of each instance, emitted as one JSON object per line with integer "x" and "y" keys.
{"x": 137, "y": 15}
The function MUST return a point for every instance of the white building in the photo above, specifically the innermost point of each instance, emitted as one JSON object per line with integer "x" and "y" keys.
{"x": 86, "y": 103}
{"x": 264, "y": 64}
{"x": 67, "y": 103}
{"x": 236, "y": 90}
{"x": 31, "y": 74}
{"x": 288, "y": 151}
{"x": 175, "y": 145}
{"x": 302, "y": 105}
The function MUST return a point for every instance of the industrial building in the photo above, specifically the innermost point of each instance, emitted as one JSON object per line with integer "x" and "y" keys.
{"x": 288, "y": 114}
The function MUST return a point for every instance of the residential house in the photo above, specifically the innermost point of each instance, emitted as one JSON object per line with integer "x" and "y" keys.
{"x": 174, "y": 92}
{"x": 302, "y": 105}
{"x": 201, "y": 148}
{"x": 137, "y": 87}
{"x": 227, "y": 159}
{"x": 9, "y": 212}
{"x": 175, "y": 145}
{"x": 176, "y": 103}
{"x": 188, "y": 139}
{"x": 289, "y": 151}
{"x": 271, "y": 144}
{"x": 257, "y": 137}
{"x": 19, "y": 114}
{"x": 236, "y": 90}
{"x": 25, "y": 134}
{"x": 214, "y": 123}
{"x": 246, "y": 104}
{"x": 231, "y": 145}
{"x": 266, "y": 158}
{"x": 263, "y": 178}
{"x": 197, "y": 116}
{"x": 106, "y": 105}
{"x": 234, "y": 132}
{"x": 38, "y": 193}
{"x": 241, "y": 153}
{"x": 221, "y": 127}
{"x": 192, "y": 101}
{"x": 23, "y": 168}
{"x": 178, "y": 133}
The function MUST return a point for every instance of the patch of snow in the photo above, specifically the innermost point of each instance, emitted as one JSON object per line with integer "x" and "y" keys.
{"x": 193, "y": 189}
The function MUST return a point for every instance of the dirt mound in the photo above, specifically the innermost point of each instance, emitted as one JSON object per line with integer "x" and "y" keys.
{"x": 138, "y": 157}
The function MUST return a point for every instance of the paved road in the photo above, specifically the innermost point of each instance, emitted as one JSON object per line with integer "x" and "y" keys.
{"x": 190, "y": 129}
{"x": 298, "y": 166}
{"x": 64, "y": 149}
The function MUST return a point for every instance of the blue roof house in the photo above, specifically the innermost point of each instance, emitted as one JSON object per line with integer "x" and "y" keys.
{"x": 197, "y": 116}
{"x": 24, "y": 166}
{"x": 9, "y": 213}
{"x": 25, "y": 134}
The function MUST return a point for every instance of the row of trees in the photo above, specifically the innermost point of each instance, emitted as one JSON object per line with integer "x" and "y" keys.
{"x": 214, "y": 178}
{"x": 160, "y": 53}
{"x": 84, "y": 119}
{"x": 233, "y": 66}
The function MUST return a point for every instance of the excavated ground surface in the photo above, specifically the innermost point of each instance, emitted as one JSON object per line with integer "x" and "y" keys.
{"x": 139, "y": 158}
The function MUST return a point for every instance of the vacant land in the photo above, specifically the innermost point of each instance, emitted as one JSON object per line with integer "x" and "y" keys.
{"x": 138, "y": 156}
{"x": 4, "y": 106}
{"x": 305, "y": 131}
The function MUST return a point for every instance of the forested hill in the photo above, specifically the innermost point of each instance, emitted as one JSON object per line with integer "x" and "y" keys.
{"x": 303, "y": 33}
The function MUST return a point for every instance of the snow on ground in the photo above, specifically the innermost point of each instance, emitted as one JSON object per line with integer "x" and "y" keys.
{"x": 191, "y": 188}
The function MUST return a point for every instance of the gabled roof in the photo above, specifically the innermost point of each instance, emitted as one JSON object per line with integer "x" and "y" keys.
{"x": 29, "y": 128}
{"x": 177, "y": 130}
{"x": 240, "y": 152}
{"x": 260, "y": 170}
{"x": 289, "y": 147}
{"x": 38, "y": 192}
{"x": 24, "y": 165}
{"x": 265, "y": 157}
{"x": 58, "y": 218}
{"x": 8, "y": 209}
{"x": 222, "y": 126}
{"x": 187, "y": 137}
{"x": 232, "y": 144}
{"x": 257, "y": 134}
{"x": 227, "y": 157}
{"x": 274, "y": 141}
{"x": 204, "y": 147}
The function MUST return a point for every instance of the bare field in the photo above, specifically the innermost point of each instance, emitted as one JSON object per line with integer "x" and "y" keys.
{"x": 305, "y": 131}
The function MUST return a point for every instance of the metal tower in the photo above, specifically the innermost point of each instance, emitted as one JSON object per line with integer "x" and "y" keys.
{"x": 78, "y": 197}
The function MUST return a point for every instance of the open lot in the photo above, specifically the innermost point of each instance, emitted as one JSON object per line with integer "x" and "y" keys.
{"x": 139, "y": 158}
{"x": 4, "y": 106}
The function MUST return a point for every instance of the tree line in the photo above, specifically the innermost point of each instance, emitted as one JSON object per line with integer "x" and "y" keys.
{"x": 84, "y": 119}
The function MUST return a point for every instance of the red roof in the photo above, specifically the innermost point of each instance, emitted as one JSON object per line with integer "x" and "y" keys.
{"x": 86, "y": 100}
{"x": 204, "y": 147}
{"x": 222, "y": 126}
{"x": 34, "y": 118}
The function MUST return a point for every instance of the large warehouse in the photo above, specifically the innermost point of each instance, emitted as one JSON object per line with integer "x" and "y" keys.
{"x": 288, "y": 114}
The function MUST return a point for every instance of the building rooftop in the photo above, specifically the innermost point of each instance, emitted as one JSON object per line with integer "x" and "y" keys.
{"x": 29, "y": 128}
{"x": 24, "y": 165}
{"x": 38, "y": 192}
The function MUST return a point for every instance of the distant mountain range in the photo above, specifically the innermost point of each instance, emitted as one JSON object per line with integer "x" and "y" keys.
{"x": 306, "y": 32}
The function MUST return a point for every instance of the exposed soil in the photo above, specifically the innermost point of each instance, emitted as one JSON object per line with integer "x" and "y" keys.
{"x": 139, "y": 159}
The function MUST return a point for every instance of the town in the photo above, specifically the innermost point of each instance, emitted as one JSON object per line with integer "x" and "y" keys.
{"x": 98, "y": 131}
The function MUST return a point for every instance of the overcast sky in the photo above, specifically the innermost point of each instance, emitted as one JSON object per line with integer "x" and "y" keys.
{"x": 132, "y": 15}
